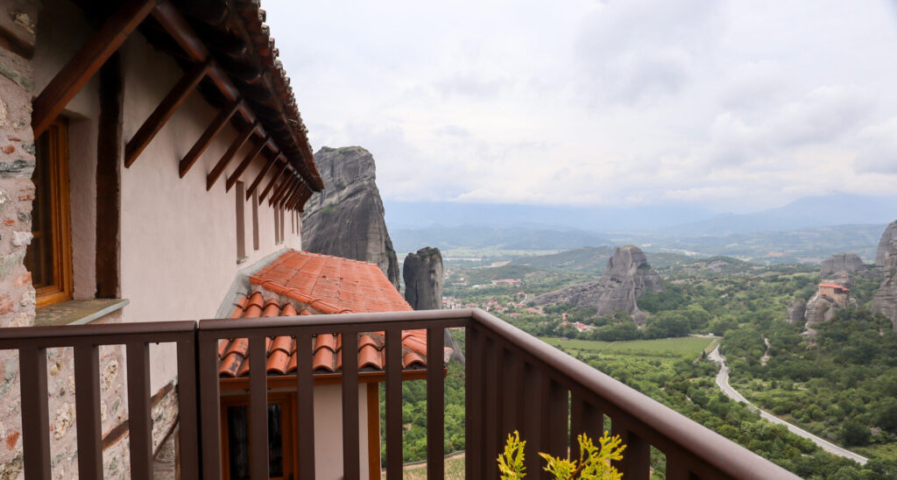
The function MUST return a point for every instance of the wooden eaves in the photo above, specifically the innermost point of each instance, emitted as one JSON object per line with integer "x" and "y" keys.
{"x": 258, "y": 87}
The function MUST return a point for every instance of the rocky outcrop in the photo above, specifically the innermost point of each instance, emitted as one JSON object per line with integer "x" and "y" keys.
{"x": 797, "y": 310}
{"x": 346, "y": 219}
{"x": 627, "y": 276}
{"x": 886, "y": 255}
{"x": 840, "y": 264}
{"x": 822, "y": 309}
{"x": 422, "y": 272}
{"x": 885, "y": 299}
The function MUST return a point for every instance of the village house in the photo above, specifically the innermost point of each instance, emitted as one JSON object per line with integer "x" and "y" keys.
{"x": 836, "y": 293}
{"x": 153, "y": 166}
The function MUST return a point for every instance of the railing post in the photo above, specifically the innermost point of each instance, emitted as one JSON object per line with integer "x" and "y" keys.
{"x": 188, "y": 422}
{"x": 533, "y": 411}
{"x": 305, "y": 399}
{"x": 87, "y": 410}
{"x": 35, "y": 416}
{"x": 140, "y": 422}
{"x": 351, "y": 460}
{"x": 636, "y": 462}
{"x": 394, "y": 457}
{"x": 492, "y": 420}
{"x": 210, "y": 413}
{"x": 473, "y": 380}
{"x": 258, "y": 407}
{"x": 554, "y": 417}
{"x": 435, "y": 404}
{"x": 584, "y": 419}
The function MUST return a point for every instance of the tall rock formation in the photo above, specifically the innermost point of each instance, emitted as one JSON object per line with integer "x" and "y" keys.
{"x": 627, "y": 276}
{"x": 797, "y": 309}
{"x": 422, "y": 272}
{"x": 885, "y": 299}
{"x": 346, "y": 219}
{"x": 842, "y": 269}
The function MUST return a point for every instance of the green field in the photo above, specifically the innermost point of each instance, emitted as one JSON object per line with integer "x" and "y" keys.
{"x": 684, "y": 347}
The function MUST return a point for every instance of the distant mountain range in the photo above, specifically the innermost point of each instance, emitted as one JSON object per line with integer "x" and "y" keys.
{"x": 807, "y": 212}
{"x": 505, "y": 238}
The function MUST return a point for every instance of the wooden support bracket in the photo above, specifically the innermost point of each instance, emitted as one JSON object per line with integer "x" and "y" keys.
{"x": 261, "y": 175}
{"x": 206, "y": 139}
{"x": 272, "y": 181}
{"x": 238, "y": 143}
{"x": 256, "y": 150}
{"x": 72, "y": 78}
{"x": 164, "y": 111}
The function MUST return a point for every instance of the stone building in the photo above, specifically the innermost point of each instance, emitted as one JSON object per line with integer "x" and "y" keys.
{"x": 835, "y": 293}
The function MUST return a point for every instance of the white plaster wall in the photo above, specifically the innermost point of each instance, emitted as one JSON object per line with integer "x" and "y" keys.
{"x": 62, "y": 31}
{"x": 178, "y": 241}
{"x": 329, "y": 431}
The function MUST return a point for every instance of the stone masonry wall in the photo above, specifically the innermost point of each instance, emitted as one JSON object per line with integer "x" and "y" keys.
{"x": 16, "y": 195}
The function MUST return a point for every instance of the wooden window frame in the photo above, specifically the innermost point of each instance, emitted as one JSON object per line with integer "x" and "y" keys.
{"x": 61, "y": 289}
{"x": 255, "y": 220}
{"x": 290, "y": 437}
{"x": 241, "y": 223}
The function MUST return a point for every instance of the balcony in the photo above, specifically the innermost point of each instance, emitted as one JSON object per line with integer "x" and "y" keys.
{"x": 513, "y": 382}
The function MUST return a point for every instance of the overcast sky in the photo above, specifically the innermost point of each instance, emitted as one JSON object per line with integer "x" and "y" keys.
{"x": 734, "y": 105}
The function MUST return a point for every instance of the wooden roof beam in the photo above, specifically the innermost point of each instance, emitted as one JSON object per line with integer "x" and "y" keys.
{"x": 291, "y": 195}
{"x": 176, "y": 25}
{"x": 256, "y": 150}
{"x": 224, "y": 115}
{"x": 286, "y": 184}
{"x": 164, "y": 111}
{"x": 258, "y": 178}
{"x": 273, "y": 180}
{"x": 295, "y": 201}
{"x": 235, "y": 147}
{"x": 72, "y": 78}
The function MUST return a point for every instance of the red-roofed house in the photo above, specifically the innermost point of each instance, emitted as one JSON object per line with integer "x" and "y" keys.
{"x": 837, "y": 293}
{"x": 302, "y": 283}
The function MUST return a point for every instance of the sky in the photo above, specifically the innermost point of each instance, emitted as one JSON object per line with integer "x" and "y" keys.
{"x": 728, "y": 105}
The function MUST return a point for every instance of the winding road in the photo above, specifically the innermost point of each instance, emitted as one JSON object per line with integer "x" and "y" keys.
{"x": 722, "y": 380}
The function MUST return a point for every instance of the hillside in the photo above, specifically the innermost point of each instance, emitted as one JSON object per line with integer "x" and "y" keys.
{"x": 593, "y": 260}
{"x": 503, "y": 238}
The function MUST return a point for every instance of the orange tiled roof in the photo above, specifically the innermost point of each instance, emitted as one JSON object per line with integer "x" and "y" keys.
{"x": 327, "y": 285}
{"x": 331, "y": 284}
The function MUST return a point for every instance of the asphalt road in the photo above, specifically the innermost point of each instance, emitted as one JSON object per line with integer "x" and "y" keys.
{"x": 722, "y": 380}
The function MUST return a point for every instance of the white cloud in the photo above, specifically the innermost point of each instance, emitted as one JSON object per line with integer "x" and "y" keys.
{"x": 711, "y": 102}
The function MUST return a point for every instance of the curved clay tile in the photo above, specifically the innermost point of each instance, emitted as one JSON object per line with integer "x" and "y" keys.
{"x": 369, "y": 356}
{"x": 230, "y": 365}
{"x": 305, "y": 312}
{"x": 325, "y": 340}
{"x": 281, "y": 343}
{"x": 339, "y": 360}
{"x": 416, "y": 343}
{"x": 278, "y": 362}
{"x": 238, "y": 345}
{"x": 366, "y": 340}
{"x": 241, "y": 302}
{"x": 244, "y": 369}
{"x": 323, "y": 360}
{"x": 291, "y": 367}
{"x": 339, "y": 342}
{"x": 411, "y": 359}
{"x": 238, "y": 312}
{"x": 271, "y": 310}
{"x": 288, "y": 311}
{"x": 256, "y": 300}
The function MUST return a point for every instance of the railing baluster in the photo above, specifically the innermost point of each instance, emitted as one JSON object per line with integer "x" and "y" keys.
{"x": 677, "y": 468}
{"x": 351, "y": 460}
{"x": 305, "y": 399}
{"x": 435, "y": 404}
{"x": 473, "y": 381}
{"x": 140, "y": 421}
{"x": 492, "y": 420}
{"x": 636, "y": 463}
{"x": 87, "y": 410}
{"x": 210, "y": 413}
{"x": 533, "y": 411}
{"x": 394, "y": 457}
{"x": 35, "y": 416}
{"x": 188, "y": 423}
{"x": 511, "y": 399}
{"x": 585, "y": 418}
{"x": 258, "y": 407}
{"x": 554, "y": 417}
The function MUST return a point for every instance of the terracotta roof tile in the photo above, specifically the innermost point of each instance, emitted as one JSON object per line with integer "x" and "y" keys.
{"x": 329, "y": 285}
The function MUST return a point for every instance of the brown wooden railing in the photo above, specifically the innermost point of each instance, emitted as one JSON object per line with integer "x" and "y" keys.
{"x": 513, "y": 382}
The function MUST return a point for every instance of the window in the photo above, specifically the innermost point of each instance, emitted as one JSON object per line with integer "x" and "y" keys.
{"x": 276, "y": 226}
{"x": 49, "y": 256}
{"x": 241, "y": 227}
{"x": 255, "y": 220}
{"x": 282, "y": 218}
{"x": 235, "y": 437}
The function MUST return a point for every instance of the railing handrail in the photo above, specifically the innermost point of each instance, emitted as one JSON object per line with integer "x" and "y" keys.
{"x": 719, "y": 451}
{"x": 659, "y": 424}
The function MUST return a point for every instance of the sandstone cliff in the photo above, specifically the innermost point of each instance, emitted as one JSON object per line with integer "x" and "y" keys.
{"x": 885, "y": 299}
{"x": 627, "y": 276}
{"x": 346, "y": 219}
{"x": 822, "y": 309}
{"x": 422, "y": 272}
{"x": 797, "y": 310}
